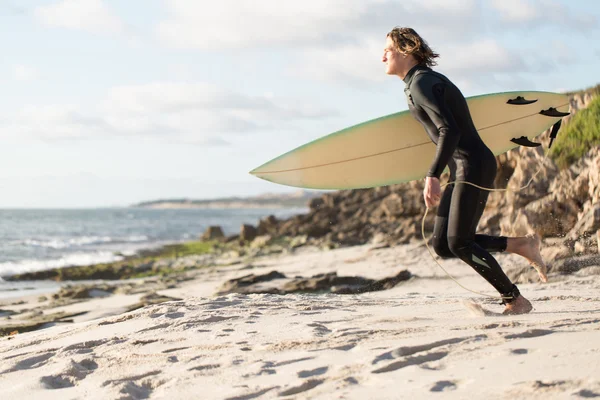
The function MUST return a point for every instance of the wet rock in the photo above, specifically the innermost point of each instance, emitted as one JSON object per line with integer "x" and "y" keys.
{"x": 267, "y": 226}
{"x": 277, "y": 283}
{"x": 236, "y": 285}
{"x": 36, "y": 321}
{"x": 151, "y": 299}
{"x": 248, "y": 233}
{"x": 212, "y": 233}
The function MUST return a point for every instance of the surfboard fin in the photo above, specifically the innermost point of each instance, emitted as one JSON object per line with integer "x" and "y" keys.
{"x": 520, "y": 100}
{"x": 553, "y": 112}
{"x": 554, "y": 132}
{"x": 524, "y": 141}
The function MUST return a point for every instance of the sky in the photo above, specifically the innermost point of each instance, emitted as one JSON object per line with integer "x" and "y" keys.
{"x": 107, "y": 103}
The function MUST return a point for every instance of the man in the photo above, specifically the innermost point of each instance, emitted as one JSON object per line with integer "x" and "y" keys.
{"x": 440, "y": 107}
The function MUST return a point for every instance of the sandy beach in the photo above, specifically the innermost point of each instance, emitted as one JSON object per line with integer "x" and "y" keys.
{"x": 423, "y": 338}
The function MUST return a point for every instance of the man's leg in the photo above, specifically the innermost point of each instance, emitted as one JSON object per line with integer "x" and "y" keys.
{"x": 466, "y": 208}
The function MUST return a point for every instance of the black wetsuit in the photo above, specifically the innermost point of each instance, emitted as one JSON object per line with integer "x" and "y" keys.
{"x": 441, "y": 108}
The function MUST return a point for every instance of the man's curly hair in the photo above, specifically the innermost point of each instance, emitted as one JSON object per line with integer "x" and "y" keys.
{"x": 408, "y": 41}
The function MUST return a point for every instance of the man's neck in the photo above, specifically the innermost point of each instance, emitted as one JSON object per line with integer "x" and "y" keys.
{"x": 402, "y": 74}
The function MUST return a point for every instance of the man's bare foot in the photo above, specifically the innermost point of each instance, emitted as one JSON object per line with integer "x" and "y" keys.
{"x": 529, "y": 248}
{"x": 518, "y": 306}
{"x": 535, "y": 258}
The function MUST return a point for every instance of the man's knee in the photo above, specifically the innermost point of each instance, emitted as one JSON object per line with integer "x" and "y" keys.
{"x": 440, "y": 246}
{"x": 459, "y": 247}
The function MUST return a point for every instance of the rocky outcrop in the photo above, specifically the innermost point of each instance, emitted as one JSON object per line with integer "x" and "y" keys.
{"x": 277, "y": 283}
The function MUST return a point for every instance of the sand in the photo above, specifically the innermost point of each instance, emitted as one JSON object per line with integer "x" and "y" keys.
{"x": 426, "y": 337}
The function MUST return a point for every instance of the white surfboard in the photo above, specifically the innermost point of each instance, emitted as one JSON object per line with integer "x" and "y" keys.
{"x": 395, "y": 148}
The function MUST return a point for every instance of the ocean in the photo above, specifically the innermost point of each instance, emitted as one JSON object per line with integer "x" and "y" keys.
{"x": 33, "y": 240}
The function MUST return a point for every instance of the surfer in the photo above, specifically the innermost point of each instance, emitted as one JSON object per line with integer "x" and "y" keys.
{"x": 436, "y": 103}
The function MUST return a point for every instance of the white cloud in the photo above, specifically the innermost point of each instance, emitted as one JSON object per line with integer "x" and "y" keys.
{"x": 485, "y": 56}
{"x": 310, "y": 23}
{"x": 516, "y": 10}
{"x": 231, "y": 23}
{"x": 539, "y": 12}
{"x": 191, "y": 113}
{"x": 52, "y": 122}
{"x": 24, "y": 73}
{"x": 86, "y": 15}
{"x": 351, "y": 63}
{"x": 11, "y": 9}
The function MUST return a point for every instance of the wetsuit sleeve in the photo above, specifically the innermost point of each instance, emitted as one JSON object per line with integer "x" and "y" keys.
{"x": 431, "y": 95}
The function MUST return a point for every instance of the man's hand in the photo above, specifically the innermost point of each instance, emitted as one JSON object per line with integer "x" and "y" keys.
{"x": 432, "y": 192}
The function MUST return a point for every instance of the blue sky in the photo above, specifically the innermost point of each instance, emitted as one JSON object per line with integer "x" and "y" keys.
{"x": 108, "y": 103}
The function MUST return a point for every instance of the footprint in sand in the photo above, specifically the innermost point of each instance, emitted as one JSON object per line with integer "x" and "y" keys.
{"x": 417, "y": 360}
{"x": 314, "y": 372}
{"x": 531, "y": 333}
{"x": 319, "y": 330}
{"x": 519, "y": 351}
{"x": 76, "y": 372}
{"x": 252, "y": 395}
{"x": 84, "y": 347}
{"x": 407, "y": 358}
{"x": 144, "y": 342}
{"x": 586, "y": 394}
{"x": 175, "y": 349}
{"x": 410, "y": 350}
{"x": 205, "y": 367}
{"x": 136, "y": 387}
{"x": 442, "y": 386}
{"x": 308, "y": 385}
{"x": 31, "y": 362}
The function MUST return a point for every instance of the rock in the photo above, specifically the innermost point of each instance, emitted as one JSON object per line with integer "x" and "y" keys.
{"x": 36, "y": 321}
{"x": 212, "y": 233}
{"x": 276, "y": 283}
{"x": 240, "y": 285}
{"x": 69, "y": 293}
{"x": 574, "y": 264}
{"x": 523, "y": 274}
{"x": 391, "y": 206}
{"x": 144, "y": 267}
{"x": 316, "y": 203}
{"x": 248, "y": 233}
{"x": 298, "y": 241}
{"x": 381, "y": 284}
{"x": 323, "y": 282}
{"x": 150, "y": 299}
{"x": 267, "y": 226}
{"x": 587, "y": 225}
{"x": 261, "y": 241}
{"x": 232, "y": 238}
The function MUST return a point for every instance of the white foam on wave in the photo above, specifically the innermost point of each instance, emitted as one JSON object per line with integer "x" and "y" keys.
{"x": 74, "y": 259}
{"x": 81, "y": 241}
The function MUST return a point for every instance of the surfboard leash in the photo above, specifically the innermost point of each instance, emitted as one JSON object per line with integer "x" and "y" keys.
{"x": 482, "y": 188}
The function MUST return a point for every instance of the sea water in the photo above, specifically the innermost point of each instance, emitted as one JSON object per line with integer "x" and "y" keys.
{"x": 34, "y": 240}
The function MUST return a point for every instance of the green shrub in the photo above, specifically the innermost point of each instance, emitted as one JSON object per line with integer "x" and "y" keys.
{"x": 576, "y": 138}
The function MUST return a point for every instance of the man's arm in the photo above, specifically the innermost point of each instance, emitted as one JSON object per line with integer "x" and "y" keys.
{"x": 430, "y": 94}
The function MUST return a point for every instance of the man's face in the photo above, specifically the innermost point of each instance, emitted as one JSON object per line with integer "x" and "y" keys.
{"x": 392, "y": 58}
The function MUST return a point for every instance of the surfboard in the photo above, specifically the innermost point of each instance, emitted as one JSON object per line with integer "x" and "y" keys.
{"x": 395, "y": 148}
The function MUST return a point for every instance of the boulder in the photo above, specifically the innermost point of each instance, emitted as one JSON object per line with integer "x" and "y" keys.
{"x": 212, "y": 233}
{"x": 248, "y": 233}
